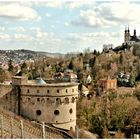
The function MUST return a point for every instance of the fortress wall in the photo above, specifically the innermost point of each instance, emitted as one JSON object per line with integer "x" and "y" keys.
{"x": 9, "y": 98}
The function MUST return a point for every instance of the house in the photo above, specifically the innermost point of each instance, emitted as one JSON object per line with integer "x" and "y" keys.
{"x": 107, "y": 84}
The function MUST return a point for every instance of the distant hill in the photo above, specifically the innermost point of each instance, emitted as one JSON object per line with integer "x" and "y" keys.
{"x": 19, "y": 56}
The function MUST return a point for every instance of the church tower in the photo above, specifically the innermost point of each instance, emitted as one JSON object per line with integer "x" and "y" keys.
{"x": 126, "y": 35}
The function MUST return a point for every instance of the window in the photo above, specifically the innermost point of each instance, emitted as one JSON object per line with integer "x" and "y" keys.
{"x": 29, "y": 99}
{"x": 66, "y": 100}
{"x": 71, "y": 128}
{"x": 48, "y": 91}
{"x": 72, "y": 100}
{"x": 38, "y": 112}
{"x": 56, "y": 112}
{"x": 66, "y": 91}
{"x": 28, "y": 91}
{"x": 48, "y": 99}
{"x": 70, "y": 111}
{"x": 6, "y": 97}
{"x": 38, "y": 99}
{"x": 58, "y": 101}
{"x": 72, "y": 90}
{"x": 57, "y": 91}
{"x": 37, "y": 91}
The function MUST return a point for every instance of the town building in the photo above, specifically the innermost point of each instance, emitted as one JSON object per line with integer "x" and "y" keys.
{"x": 107, "y": 84}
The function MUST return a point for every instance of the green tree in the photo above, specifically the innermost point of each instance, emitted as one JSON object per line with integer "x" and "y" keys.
{"x": 132, "y": 79}
{"x": 10, "y": 66}
{"x": 71, "y": 65}
{"x": 24, "y": 68}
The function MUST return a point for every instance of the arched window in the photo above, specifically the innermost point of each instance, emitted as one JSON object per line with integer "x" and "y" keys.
{"x": 28, "y": 91}
{"x": 29, "y": 99}
{"x": 48, "y": 91}
{"x": 58, "y": 101}
{"x": 72, "y": 100}
{"x": 57, "y": 90}
{"x": 66, "y": 100}
{"x": 38, "y": 99}
{"x": 66, "y": 91}
{"x": 72, "y": 90}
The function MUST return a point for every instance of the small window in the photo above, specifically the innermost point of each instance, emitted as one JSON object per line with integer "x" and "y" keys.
{"x": 66, "y": 100}
{"x": 29, "y": 99}
{"x": 37, "y": 91}
{"x": 57, "y": 91}
{"x": 66, "y": 91}
{"x": 58, "y": 101}
{"x": 71, "y": 128}
{"x": 38, "y": 99}
{"x": 72, "y": 100}
{"x": 28, "y": 91}
{"x": 48, "y": 91}
{"x": 70, "y": 111}
{"x": 72, "y": 90}
{"x": 56, "y": 112}
{"x": 38, "y": 112}
{"x": 48, "y": 99}
{"x": 6, "y": 97}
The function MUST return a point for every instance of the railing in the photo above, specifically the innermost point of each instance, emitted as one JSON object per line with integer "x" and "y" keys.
{"x": 13, "y": 126}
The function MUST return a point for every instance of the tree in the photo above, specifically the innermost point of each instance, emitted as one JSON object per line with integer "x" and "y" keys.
{"x": 10, "y": 66}
{"x": 132, "y": 80}
{"x": 95, "y": 52}
{"x": 24, "y": 68}
{"x": 92, "y": 62}
{"x": 71, "y": 65}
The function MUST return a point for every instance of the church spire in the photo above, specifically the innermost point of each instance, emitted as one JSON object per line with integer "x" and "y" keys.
{"x": 128, "y": 29}
{"x": 134, "y": 32}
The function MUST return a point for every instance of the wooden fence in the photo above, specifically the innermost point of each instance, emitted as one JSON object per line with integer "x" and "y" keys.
{"x": 13, "y": 126}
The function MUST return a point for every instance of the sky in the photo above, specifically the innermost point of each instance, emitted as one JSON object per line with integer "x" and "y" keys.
{"x": 66, "y": 26}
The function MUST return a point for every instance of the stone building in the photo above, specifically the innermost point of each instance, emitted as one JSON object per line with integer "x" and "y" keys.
{"x": 51, "y": 102}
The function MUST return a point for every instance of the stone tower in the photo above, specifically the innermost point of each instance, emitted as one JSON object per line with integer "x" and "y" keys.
{"x": 51, "y": 102}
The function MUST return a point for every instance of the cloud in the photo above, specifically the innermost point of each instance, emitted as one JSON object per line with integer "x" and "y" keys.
{"x": 48, "y": 15}
{"x": 94, "y": 40}
{"x": 4, "y": 37}
{"x": 66, "y": 24}
{"x": 17, "y": 11}
{"x": 107, "y": 14}
{"x": 79, "y": 3}
{"x": 54, "y": 4}
{"x": 23, "y": 37}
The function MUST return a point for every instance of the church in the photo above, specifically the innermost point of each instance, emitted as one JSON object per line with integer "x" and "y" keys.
{"x": 130, "y": 40}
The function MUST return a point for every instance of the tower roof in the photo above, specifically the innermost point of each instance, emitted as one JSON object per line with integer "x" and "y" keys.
{"x": 40, "y": 81}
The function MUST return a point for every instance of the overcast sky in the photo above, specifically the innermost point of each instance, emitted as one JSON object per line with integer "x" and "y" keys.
{"x": 66, "y": 26}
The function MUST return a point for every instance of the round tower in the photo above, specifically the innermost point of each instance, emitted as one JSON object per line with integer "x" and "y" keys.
{"x": 52, "y": 103}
